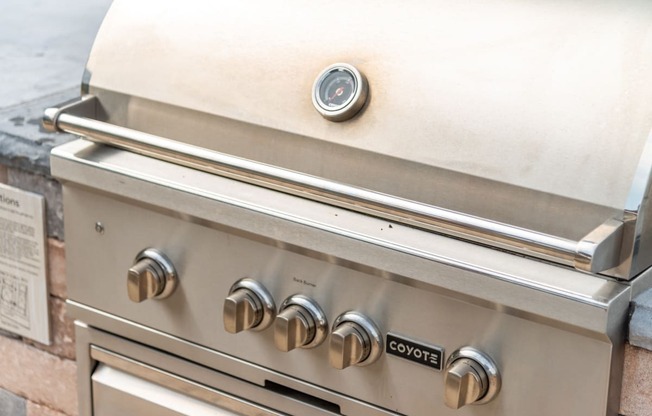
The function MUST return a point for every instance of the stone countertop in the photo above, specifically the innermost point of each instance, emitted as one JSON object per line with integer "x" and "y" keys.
{"x": 44, "y": 46}
{"x": 640, "y": 325}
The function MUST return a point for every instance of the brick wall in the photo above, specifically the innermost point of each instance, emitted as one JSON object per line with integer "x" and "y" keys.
{"x": 36, "y": 379}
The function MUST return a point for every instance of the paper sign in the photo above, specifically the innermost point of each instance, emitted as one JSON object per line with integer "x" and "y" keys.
{"x": 23, "y": 282}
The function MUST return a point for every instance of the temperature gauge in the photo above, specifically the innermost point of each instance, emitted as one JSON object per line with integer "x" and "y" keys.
{"x": 340, "y": 92}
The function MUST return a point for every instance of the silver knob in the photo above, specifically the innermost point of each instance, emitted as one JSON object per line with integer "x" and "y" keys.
{"x": 466, "y": 382}
{"x": 300, "y": 324}
{"x": 151, "y": 277}
{"x": 242, "y": 310}
{"x": 471, "y": 378}
{"x": 249, "y": 306}
{"x": 355, "y": 340}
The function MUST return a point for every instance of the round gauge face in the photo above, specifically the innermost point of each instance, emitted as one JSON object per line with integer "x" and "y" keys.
{"x": 337, "y": 88}
{"x": 339, "y": 92}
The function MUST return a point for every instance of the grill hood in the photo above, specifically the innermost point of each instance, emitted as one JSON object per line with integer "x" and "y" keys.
{"x": 532, "y": 114}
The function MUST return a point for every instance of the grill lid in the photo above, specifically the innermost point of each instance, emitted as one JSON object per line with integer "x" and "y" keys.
{"x": 530, "y": 114}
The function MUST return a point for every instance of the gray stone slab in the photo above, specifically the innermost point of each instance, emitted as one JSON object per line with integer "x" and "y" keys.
{"x": 24, "y": 143}
{"x": 640, "y": 326}
{"x": 44, "y": 46}
{"x": 12, "y": 405}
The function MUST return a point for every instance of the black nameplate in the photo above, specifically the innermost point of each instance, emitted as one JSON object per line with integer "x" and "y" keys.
{"x": 428, "y": 355}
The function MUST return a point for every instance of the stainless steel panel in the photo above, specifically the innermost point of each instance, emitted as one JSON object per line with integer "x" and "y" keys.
{"x": 528, "y": 379}
{"x": 597, "y": 252}
{"x": 136, "y": 378}
{"x": 351, "y": 239}
{"x": 608, "y": 248}
{"x": 481, "y": 197}
{"x": 222, "y": 382}
{"x": 116, "y": 393}
{"x": 636, "y": 253}
{"x": 549, "y": 96}
{"x": 515, "y": 131}
{"x": 216, "y": 231}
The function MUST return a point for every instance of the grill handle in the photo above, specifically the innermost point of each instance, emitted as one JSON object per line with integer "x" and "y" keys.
{"x": 597, "y": 252}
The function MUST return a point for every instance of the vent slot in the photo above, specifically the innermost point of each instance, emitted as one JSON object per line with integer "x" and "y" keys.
{"x": 303, "y": 397}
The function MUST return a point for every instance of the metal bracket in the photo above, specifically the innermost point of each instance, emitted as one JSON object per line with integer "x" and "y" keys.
{"x": 85, "y": 106}
{"x": 600, "y": 249}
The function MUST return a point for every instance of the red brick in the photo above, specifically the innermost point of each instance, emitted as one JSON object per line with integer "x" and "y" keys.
{"x": 63, "y": 331}
{"x": 40, "y": 377}
{"x": 34, "y": 409}
{"x": 57, "y": 268}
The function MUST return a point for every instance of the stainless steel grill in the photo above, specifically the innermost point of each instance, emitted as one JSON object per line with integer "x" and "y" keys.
{"x": 342, "y": 208}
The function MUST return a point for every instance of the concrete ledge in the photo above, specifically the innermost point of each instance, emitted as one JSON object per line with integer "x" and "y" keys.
{"x": 11, "y": 405}
{"x": 44, "y": 47}
{"x": 24, "y": 143}
{"x": 640, "y": 326}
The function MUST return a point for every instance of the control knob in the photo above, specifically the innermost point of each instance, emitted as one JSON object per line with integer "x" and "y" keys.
{"x": 300, "y": 323}
{"x": 471, "y": 378}
{"x": 355, "y": 340}
{"x": 249, "y": 306}
{"x": 151, "y": 277}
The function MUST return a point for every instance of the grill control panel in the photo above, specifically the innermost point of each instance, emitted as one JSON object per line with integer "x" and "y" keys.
{"x": 425, "y": 304}
{"x": 471, "y": 376}
{"x": 355, "y": 339}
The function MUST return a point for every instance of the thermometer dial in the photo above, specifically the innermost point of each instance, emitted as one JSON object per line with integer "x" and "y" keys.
{"x": 340, "y": 92}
